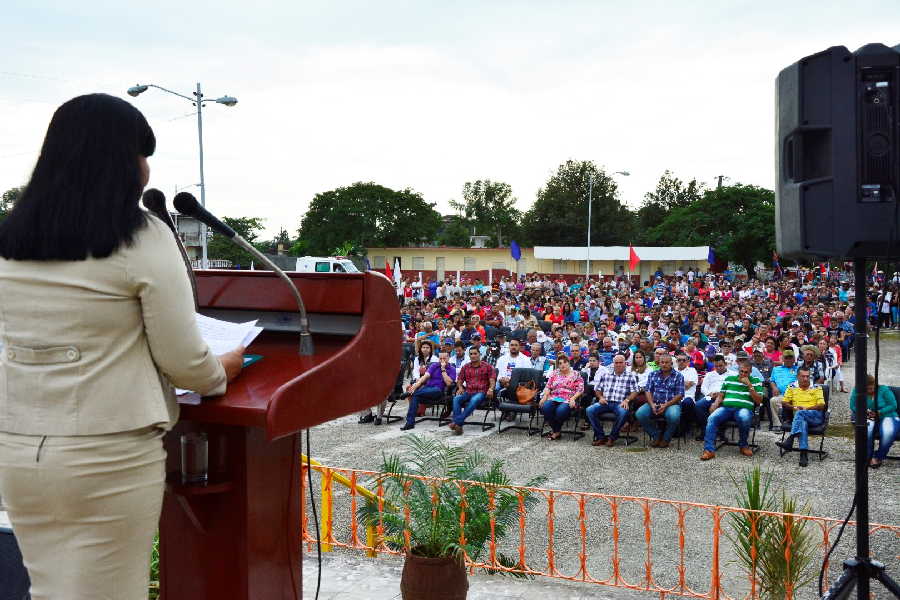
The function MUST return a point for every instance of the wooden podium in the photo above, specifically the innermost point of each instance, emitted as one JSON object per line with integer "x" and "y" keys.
{"x": 238, "y": 537}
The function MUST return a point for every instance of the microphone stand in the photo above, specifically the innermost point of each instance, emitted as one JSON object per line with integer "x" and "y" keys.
{"x": 158, "y": 208}
{"x": 306, "y": 342}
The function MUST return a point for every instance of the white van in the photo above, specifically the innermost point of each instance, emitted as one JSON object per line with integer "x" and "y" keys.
{"x": 325, "y": 264}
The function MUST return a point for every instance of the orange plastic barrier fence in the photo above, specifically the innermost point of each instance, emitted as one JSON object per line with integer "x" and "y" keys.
{"x": 666, "y": 547}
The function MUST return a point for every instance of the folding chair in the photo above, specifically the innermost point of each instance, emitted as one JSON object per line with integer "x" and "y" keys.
{"x": 818, "y": 430}
{"x": 509, "y": 404}
{"x": 728, "y": 430}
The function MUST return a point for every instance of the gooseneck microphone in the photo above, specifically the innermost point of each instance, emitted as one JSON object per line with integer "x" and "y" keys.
{"x": 155, "y": 201}
{"x": 187, "y": 204}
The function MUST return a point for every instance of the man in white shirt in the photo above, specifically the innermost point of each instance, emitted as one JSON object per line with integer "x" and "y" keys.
{"x": 688, "y": 404}
{"x": 505, "y": 365}
{"x": 712, "y": 385}
{"x": 513, "y": 359}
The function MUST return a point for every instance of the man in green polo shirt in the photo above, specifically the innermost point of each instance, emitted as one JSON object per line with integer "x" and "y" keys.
{"x": 739, "y": 396}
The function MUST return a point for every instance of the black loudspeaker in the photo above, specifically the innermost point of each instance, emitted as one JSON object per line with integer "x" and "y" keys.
{"x": 14, "y": 583}
{"x": 838, "y": 154}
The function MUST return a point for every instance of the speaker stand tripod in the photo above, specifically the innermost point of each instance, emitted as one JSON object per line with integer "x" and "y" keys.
{"x": 861, "y": 570}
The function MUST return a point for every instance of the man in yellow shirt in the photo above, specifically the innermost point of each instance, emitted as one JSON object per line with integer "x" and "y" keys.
{"x": 808, "y": 404}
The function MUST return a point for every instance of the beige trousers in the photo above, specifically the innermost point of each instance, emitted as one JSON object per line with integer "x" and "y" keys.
{"x": 84, "y": 510}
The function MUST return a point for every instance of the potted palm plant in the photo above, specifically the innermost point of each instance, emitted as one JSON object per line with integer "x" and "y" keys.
{"x": 427, "y": 519}
{"x": 762, "y": 541}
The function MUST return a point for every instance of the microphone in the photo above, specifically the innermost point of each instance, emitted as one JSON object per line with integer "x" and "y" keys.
{"x": 155, "y": 201}
{"x": 187, "y": 204}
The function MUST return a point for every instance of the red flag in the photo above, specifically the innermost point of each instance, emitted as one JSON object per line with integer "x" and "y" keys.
{"x": 387, "y": 270}
{"x": 633, "y": 259}
{"x": 822, "y": 268}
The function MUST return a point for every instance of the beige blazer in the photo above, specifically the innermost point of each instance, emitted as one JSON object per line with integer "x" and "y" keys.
{"x": 90, "y": 347}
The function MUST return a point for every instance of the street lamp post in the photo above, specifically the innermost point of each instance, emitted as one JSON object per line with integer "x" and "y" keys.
{"x": 197, "y": 101}
{"x": 587, "y": 268}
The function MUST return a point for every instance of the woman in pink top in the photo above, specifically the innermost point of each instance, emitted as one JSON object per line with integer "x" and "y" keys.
{"x": 772, "y": 352}
{"x": 560, "y": 395}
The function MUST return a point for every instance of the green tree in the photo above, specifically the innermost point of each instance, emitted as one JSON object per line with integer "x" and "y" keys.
{"x": 367, "y": 215}
{"x": 491, "y": 207}
{"x": 455, "y": 231}
{"x": 559, "y": 214}
{"x": 738, "y": 221}
{"x": 670, "y": 193}
{"x": 9, "y": 199}
{"x": 221, "y": 248}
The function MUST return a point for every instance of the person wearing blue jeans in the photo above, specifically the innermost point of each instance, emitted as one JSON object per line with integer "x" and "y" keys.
{"x": 808, "y": 403}
{"x": 883, "y": 421}
{"x": 556, "y": 412}
{"x": 888, "y": 432}
{"x": 665, "y": 389}
{"x": 429, "y": 386}
{"x": 720, "y": 416}
{"x": 561, "y": 395}
{"x": 645, "y": 415}
{"x": 593, "y": 415}
{"x": 475, "y": 382}
{"x": 738, "y": 398}
{"x": 613, "y": 391}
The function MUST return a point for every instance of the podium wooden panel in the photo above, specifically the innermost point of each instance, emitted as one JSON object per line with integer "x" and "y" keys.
{"x": 238, "y": 537}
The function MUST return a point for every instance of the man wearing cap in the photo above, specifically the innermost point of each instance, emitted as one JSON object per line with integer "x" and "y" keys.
{"x": 811, "y": 361}
{"x": 762, "y": 364}
{"x": 476, "y": 345}
{"x": 782, "y": 376}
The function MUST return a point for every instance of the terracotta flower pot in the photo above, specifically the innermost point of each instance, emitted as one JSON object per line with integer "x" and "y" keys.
{"x": 433, "y": 579}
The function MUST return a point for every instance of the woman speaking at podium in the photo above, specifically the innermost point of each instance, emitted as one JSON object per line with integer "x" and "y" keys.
{"x": 96, "y": 324}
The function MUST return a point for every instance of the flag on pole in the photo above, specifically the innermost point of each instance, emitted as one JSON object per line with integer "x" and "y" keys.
{"x": 515, "y": 251}
{"x": 633, "y": 259}
{"x": 387, "y": 270}
{"x": 398, "y": 276}
{"x": 711, "y": 257}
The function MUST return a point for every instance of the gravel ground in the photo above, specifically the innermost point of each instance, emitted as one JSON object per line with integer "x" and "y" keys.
{"x": 672, "y": 474}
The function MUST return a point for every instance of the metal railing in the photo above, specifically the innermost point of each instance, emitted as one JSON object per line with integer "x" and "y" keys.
{"x": 666, "y": 547}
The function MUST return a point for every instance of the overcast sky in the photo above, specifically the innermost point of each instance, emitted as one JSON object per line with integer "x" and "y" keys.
{"x": 425, "y": 95}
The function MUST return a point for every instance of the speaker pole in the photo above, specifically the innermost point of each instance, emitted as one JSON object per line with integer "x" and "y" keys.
{"x": 861, "y": 435}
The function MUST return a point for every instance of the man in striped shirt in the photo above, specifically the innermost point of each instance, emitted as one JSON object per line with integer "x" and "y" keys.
{"x": 738, "y": 398}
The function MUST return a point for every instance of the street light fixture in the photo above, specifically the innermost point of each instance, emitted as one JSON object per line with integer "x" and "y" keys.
{"x": 587, "y": 268}
{"x": 199, "y": 101}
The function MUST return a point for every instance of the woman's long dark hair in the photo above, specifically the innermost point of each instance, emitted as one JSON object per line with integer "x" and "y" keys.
{"x": 82, "y": 199}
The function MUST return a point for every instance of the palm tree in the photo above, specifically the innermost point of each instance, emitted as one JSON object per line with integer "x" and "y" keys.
{"x": 430, "y": 482}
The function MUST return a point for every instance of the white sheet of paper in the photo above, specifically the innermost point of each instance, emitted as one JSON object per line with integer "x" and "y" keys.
{"x": 221, "y": 337}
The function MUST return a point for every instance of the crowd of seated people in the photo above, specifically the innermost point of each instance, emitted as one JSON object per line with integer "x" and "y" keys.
{"x": 684, "y": 352}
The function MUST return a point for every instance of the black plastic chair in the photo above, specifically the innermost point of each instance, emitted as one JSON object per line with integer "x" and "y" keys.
{"x": 819, "y": 430}
{"x": 509, "y": 404}
{"x": 444, "y": 403}
{"x": 729, "y": 429}
{"x": 397, "y": 392}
